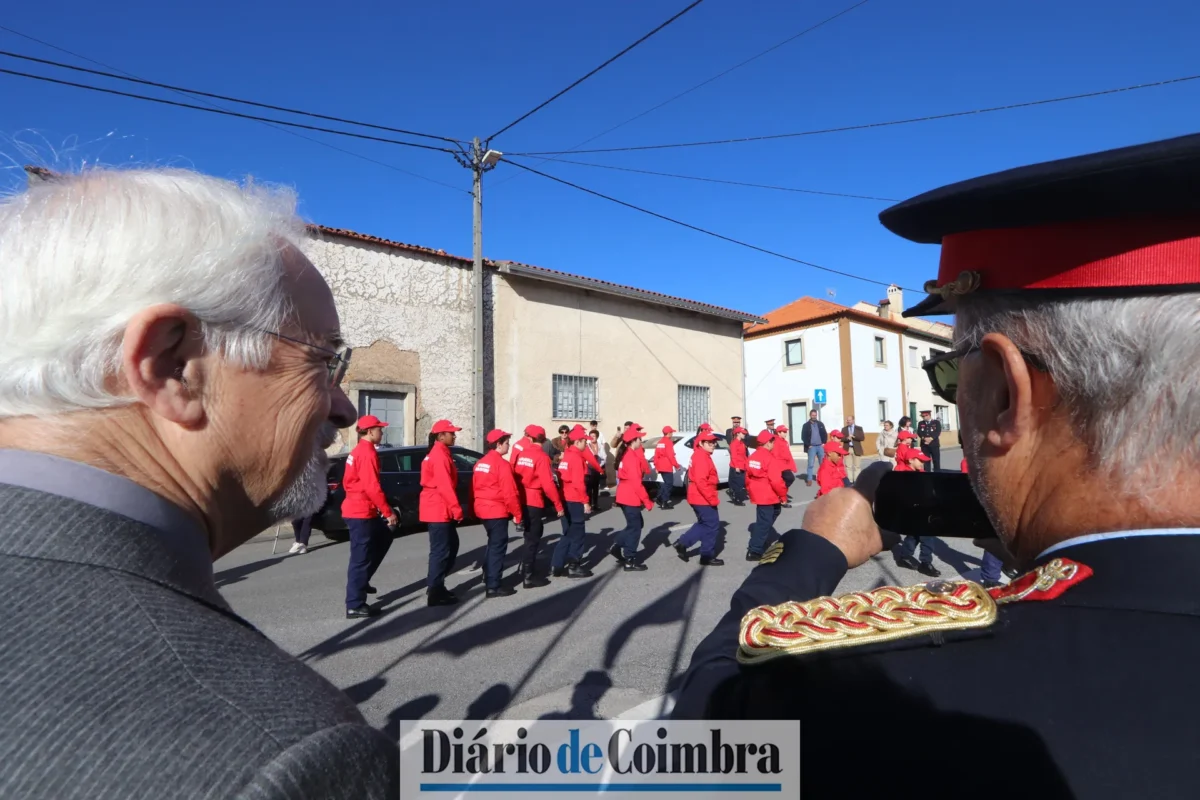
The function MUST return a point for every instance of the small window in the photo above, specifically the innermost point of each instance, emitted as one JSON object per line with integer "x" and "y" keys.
{"x": 693, "y": 407}
{"x": 913, "y": 360}
{"x": 879, "y": 350}
{"x": 574, "y": 397}
{"x": 940, "y": 413}
{"x": 389, "y": 462}
{"x": 410, "y": 461}
{"x": 389, "y": 407}
{"x": 794, "y": 352}
{"x": 882, "y": 410}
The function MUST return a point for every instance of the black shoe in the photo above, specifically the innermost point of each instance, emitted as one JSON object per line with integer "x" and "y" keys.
{"x": 1012, "y": 574}
{"x": 634, "y": 566}
{"x": 681, "y": 551}
{"x": 785, "y": 505}
{"x": 441, "y": 598}
{"x": 370, "y": 589}
{"x": 576, "y": 571}
{"x": 908, "y": 562}
{"x": 753, "y": 556}
{"x": 362, "y": 612}
{"x": 534, "y": 582}
{"x": 558, "y": 572}
{"x": 930, "y": 570}
{"x": 615, "y": 552}
{"x": 991, "y": 584}
{"x": 711, "y": 561}
{"x": 503, "y": 591}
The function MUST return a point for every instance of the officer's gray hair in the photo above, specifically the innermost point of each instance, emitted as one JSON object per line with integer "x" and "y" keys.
{"x": 1125, "y": 369}
{"x": 81, "y": 254}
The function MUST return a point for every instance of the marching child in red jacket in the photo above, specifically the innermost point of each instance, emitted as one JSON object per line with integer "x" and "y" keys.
{"x": 365, "y": 510}
{"x": 738, "y": 456}
{"x": 496, "y": 502}
{"x": 665, "y": 464}
{"x": 632, "y": 498}
{"x": 572, "y": 472}
{"x": 702, "y": 496}
{"x": 440, "y": 510}
{"x": 832, "y": 472}
{"x": 535, "y": 481}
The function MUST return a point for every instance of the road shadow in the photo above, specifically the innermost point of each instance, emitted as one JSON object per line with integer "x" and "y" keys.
{"x": 666, "y": 609}
{"x": 599, "y": 544}
{"x": 492, "y": 701}
{"x": 654, "y": 539}
{"x": 414, "y": 709}
{"x": 228, "y": 577}
{"x": 959, "y": 562}
{"x": 363, "y": 691}
{"x": 585, "y": 699}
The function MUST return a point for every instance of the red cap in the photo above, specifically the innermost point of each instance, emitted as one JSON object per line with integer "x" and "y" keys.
{"x": 668, "y": 430}
{"x": 706, "y": 436}
{"x": 444, "y": 426}
{"x": 835, "y": 447}
{"x": 370, "y": 421}
{"x": 704, "y": 426}
{"x": 578, "y": 433}
{"x": 905, "y": 436}
{"x": 633, "y": 433}
{"x": 739, "y": 429}
{"x": 835, "y": 434}
{"x": 497, "y": 435}
{"x": 534, "y": 430}
{"x": 781, "y": 428}
{"x": 765, "y": 436}
{"x": 917, "y": 454}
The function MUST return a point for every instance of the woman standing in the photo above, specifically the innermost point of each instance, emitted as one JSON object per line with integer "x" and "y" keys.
{"x": 572, "y": 472}
{"x": 496, "y": 501}
{"x": 595, "y": 476}
{"x": 885, "y": 444}
{"x": 702, "y": 495}
{"x": 440, "y": 510}
{"x": 905, "y": 424}
{"x": 632, "y": 498}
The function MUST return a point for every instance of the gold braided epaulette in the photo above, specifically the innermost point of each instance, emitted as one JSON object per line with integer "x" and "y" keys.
{"x": 880, "y": 615}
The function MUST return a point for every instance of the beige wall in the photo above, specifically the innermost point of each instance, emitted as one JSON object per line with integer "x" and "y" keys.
{"x": 542, "y": 328}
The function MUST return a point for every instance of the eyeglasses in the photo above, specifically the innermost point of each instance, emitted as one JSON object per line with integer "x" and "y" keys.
{"x": 942, "y": 370}
{"x": 337, "y": 361}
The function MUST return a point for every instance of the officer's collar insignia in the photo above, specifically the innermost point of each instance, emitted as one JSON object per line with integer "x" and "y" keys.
{"x": 772, "y": 553}
{"x": 880, "y": 615}
{"x": 1044, "y": 583}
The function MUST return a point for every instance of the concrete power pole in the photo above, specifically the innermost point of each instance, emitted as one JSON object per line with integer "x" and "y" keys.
{"x": 481, "y": 161}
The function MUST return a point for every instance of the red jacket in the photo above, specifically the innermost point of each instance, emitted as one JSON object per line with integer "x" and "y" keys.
{"x": 702, "y": 479}
{"x": 764, "y": 478}
{"x": 495, "y": 489}
{"x": 364, "y": 495}
{"x": 664, "y": 455}
{"x": 737, "y": 455}
{"x": 439, "y": 484}
{"x": 783, "y": 454}
{"x": 572, "y": 471}
{"x": 830, "y": 477}
{"x": 535, "y": 478}
{"x": 590, "y": 459}
{"x": 630, "y": 489}
{"x": 963, "y": 465}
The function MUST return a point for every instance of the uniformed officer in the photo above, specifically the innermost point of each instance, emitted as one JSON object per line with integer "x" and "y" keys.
{"x": 929, "y": 431}
{"x": 738, "y": 456}
{"x": 737, "y": 423}
{"x": 1075, "y": 285}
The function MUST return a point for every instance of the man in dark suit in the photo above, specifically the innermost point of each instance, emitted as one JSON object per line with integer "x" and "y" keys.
{"x": 813, "y": 437}
{"x": 144, "y": 433}
{"x": 1069, "y": 280}
{"x": 929, "y": 431}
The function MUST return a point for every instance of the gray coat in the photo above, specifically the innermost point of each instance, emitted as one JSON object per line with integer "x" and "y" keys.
{"x": 124, "y": 673}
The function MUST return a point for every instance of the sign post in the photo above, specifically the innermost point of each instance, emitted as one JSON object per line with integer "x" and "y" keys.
{"x": 818, "y": 400}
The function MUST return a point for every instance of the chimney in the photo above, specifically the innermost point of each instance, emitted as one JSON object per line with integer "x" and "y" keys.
{"x": 896, "y": 299}
{"x": 885, "y": 309}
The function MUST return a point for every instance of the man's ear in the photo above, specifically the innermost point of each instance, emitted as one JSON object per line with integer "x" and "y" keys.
{"x": 1009, "y": 391}
{"x": 161, "y": 363}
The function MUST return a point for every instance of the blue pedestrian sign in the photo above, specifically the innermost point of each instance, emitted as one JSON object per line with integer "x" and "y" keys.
{"x": 819, "y": 396}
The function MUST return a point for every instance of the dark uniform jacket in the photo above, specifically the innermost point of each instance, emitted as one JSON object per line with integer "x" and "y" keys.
{"x": 1084, "y": 687}
{"x": 931, "y": 429}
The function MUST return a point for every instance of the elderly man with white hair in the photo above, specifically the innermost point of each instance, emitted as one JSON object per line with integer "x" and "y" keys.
{"x": 169, "y": 380}
{"x": 1076, "y": 286}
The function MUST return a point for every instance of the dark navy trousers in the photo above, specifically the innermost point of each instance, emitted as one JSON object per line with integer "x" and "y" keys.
{"x": 443, "y": 549}
{"x": 570, "y": 547}
{"x": 763, "y": 527}
{"x": 705, "y": 531}
{"x": 497, "y": 544}
{"x": 370, "y": 540}
{"x": 664, "y": 489}
{"x": 629, "y": 539}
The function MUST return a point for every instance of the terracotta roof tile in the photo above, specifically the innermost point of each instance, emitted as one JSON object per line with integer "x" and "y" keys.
{"x": 812, "y": 311}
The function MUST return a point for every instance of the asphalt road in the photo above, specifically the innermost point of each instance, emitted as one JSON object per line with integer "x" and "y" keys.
{"x": 597, "y": 647}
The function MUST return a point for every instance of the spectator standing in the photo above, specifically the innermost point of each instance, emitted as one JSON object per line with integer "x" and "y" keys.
{"x": 813, "y": 437}
{"x": 556, "y": 446}
{"x": 852, "y": 441}
{"x": 885, "y": 443}
{"x": 738, "y": 457}
{"x": 301, "y": 531}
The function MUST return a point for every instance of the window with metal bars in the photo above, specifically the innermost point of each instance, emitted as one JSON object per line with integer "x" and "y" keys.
{"x": 574, "y": 397}
{"x": 693, "y": 407}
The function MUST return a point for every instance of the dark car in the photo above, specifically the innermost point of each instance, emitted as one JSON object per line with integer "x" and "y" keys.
{"x": 400, "y": 474}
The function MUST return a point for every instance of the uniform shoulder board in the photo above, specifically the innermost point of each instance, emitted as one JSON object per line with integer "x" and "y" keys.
{"x": 890, "y": 612}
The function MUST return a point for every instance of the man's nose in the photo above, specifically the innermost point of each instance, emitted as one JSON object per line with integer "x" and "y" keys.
{"x": 341, "y": 410}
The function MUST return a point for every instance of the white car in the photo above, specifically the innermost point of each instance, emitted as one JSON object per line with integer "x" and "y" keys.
{"x": 683, "y": 454}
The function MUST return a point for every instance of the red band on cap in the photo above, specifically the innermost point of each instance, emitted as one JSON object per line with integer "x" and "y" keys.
{"x": 1092, "y": 254}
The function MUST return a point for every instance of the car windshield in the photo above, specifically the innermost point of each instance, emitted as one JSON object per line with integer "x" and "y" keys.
{"x": 465, "y": 459}
{"x": 721, "y": 443}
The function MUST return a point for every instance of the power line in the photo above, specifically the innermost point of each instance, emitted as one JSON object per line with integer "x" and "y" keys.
{"x": 869, "y": 125}
{"x": 226, "y": 98}
{"x": 696, "y": 228}
{"x": 730, "y": 183}
{"x": 539, "y": 107}
{"x": 263, "y": 122}
{"x": 223, "y": 112}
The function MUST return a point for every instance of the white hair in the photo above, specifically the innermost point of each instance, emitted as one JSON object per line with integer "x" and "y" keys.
{"x": 1125, "y": 370}
{"x": 81, "y": 254}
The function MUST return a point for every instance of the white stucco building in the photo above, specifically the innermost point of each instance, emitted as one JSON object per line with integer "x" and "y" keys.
{"x": 812, "y": 346}
{"x": 558, "y": 348}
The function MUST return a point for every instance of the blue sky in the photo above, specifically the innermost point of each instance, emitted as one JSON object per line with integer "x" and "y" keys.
{"x": 468, "y": 68}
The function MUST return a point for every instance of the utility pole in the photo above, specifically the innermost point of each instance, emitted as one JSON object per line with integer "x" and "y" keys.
{"x": 481, "y": 160}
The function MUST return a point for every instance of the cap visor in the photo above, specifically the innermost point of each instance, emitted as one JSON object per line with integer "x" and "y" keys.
{"x": 932, "y": 305}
